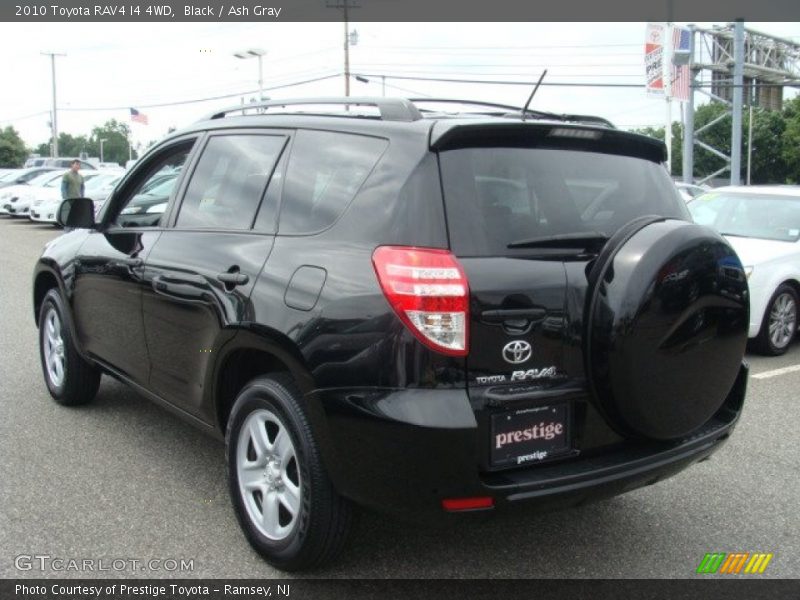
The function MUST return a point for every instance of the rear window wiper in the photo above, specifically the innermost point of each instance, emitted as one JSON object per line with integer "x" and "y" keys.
{"x": 564, "y": 240}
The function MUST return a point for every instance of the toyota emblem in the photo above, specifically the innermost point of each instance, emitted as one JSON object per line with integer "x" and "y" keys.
{"x": 517, "y": 352}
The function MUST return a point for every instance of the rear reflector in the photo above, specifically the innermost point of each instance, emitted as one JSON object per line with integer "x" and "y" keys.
{"x": 476, "y": 503}
{"x": 428, "y": 290}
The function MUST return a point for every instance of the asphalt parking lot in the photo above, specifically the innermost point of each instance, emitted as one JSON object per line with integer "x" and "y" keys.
{"x": 122, "y": 478}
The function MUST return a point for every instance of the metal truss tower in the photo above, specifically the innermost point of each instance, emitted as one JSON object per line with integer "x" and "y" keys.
{"x": 735, "y": 65}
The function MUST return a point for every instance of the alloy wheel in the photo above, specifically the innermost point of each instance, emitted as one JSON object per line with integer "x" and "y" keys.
{"x": 782, "y": 320}
{"x": 268, "y": 474}
{"x": 54, "y": 354}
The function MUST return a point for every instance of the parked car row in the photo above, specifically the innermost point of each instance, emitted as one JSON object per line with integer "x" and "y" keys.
{"x": 60, "y": 163}
{"x": 36, "y": 192}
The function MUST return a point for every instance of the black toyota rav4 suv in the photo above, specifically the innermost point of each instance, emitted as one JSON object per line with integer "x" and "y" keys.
{"x": 415, "y": 311}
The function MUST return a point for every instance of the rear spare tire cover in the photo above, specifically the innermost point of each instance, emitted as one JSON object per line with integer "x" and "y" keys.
{"x": 667, "y": 320}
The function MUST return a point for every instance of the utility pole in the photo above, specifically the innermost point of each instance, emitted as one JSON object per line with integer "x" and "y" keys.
{"x": 54, "y": 120}
{"x": 345, "y": 5}
{"x": 102, "y": 141}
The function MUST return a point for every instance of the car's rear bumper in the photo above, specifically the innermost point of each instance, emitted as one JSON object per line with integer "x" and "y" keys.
{"x": 405, "y": 453}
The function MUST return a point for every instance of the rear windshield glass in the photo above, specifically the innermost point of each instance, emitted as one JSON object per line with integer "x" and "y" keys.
{"x": 763, "y": 216}
{"x": 496, "y": 196}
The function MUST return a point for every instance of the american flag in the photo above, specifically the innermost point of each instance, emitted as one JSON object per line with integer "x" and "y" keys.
{"x": 138, "y": 117}
{"x": 681, "y": 41}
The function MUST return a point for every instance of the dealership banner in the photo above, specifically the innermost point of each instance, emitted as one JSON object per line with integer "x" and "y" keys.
{"x": 654, "y": 59}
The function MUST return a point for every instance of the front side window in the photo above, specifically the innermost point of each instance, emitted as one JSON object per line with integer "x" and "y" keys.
{"x": 229, "y": 181}
{"x": 145, "y": 200}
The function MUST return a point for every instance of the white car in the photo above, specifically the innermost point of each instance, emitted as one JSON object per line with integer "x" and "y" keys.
{"x": 15, "y": 200}
{"x": 690, "y": 190}
{"x": 762, "y": 223}
{"x": 98, "y": 185}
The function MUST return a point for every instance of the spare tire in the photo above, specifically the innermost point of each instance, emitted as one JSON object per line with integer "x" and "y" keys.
{"x": 667, "y": 315}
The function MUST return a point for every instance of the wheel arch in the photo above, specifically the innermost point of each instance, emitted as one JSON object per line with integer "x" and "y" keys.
{"x": 252, "y": 352}
{"x": 44, "y": 280}
{"x": 258, "y": 350}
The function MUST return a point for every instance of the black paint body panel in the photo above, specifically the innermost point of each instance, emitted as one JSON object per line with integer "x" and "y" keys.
{"x": 400, "y": 426}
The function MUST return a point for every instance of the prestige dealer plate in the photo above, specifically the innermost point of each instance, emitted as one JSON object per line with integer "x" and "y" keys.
{"x": 529, "y": 435}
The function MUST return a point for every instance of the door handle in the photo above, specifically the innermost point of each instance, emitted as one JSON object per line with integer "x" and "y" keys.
{"x": 231, "y": 279}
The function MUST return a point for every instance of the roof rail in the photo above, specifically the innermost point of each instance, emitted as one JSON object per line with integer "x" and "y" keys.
{"x": 390, "y": 109}
{"x": 508, "y": 110}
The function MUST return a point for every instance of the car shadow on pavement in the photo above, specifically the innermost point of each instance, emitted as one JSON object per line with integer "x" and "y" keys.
{"x": 520, "y": 542}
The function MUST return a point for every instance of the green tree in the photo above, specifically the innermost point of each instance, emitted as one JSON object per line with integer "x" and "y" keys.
{"x": 776, "y": 142}
{"x": 790, "y": 150}
{"x": 768, "y": 163}
{"x": 72, "y": 145}
{"x": 117, "y": 137}
{"x": 12, "y": 149}
{"x": 68, "y": 145}
{"x": 677, "y": 144}
{"x": 718, "y": 136}
{"x": 42, "y": 149}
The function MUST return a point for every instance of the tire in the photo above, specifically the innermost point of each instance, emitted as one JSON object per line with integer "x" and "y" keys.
{"x": 779, "y": 325}
{"x": 70, "y": 380}
{"x": 306, "y": 522}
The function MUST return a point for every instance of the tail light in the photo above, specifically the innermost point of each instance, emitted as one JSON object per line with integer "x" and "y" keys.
{"x": 428, "y": 290}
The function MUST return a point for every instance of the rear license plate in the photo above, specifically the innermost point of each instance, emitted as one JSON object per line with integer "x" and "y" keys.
{"x": 529, "y": 435}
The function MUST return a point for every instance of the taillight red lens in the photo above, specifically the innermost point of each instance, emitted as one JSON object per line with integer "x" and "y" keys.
{"x": 428, "y": 290}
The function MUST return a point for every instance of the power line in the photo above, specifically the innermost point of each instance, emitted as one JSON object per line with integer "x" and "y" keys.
{"x": 490, "y": 73}
{"x": 30, "y": 116}
{"x": 481, "y": 48}
{"x": 496, "y": 82}
{"x": 505, "y": 65}
{"x": 209, "y": 99}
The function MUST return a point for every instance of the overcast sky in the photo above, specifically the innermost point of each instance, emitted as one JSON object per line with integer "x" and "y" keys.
{"x": 110, "y": 67}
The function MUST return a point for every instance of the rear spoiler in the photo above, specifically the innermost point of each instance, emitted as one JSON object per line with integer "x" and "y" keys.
{"x": 448, "y": 135}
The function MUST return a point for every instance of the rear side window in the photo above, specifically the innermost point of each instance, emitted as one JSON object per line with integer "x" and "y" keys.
{"x": 325, "y": 171}
{"x": 496, "y": 196}
{"x": 229, "y": 182}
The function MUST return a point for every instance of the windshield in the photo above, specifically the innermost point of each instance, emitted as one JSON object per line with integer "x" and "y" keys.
{"x": 499, "y": 196}
{"x": 763, "y": 216}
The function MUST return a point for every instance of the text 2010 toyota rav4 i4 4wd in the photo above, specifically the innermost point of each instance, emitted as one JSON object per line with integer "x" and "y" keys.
{"x": 417, "y": 312}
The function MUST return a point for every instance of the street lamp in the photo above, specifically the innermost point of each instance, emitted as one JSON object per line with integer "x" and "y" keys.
{"x": 102, "y": 141}
{"x": 259, "y": 54}
{"x": 54, "y": 120}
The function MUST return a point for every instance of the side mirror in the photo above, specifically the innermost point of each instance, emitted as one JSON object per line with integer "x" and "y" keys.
{"x": 76, "y": 213}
